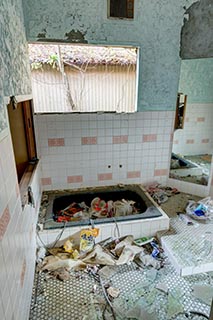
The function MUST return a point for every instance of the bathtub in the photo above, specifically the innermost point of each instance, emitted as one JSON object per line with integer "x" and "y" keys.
{"x": 146, "y": 222}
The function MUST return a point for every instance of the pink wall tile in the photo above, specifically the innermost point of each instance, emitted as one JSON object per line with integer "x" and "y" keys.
{"x": 133, "y": 174}
{"x": 190, "y": 141}
{"x": 17, "y": 190}
{"x": 120, "y": 139}
{"x": 46, "y": 181}
{"x": 149, "y": 137}
{"x": 176, "y": 142}
{"x": 200, "y": 119}
{"x": 205, "y": 140}
{"x": 57, "y": 142}
{"x": 104, "y": 176}
{"x": 161, "y": 172}
{"x": 88, "y": 140}
{"x": 74, "y": 179}
{"x": 4, "y": 221}
{"x": 23, "y": 271}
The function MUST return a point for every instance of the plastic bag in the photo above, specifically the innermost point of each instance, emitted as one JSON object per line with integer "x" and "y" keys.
{"x": 199, "y": 210}
{"x": 87, "y": 239}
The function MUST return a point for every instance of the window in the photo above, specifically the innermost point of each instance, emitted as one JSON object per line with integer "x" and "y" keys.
{"x": 22, "y": 133}
{"x": 121, "y": 9}
{"x": 73, "y": 78}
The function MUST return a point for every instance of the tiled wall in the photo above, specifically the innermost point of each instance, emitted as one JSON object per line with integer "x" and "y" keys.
{"x": 197, "y": 135}
{"x": 137, "y": 228}
{"x": 92, "y": 149}
{"x": 17, "y": 226}
{"x": 17, "y": 239}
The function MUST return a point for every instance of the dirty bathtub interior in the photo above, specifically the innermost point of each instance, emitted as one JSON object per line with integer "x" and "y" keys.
{"x": 59, "y": 200}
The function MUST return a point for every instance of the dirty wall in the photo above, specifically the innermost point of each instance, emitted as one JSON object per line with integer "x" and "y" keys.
{"x": 196, "y": 35}
{"x": 17, "y": 226}
{"x": 155, "y": 30}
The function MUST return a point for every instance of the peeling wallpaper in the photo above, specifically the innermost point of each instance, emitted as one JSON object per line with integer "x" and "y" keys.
{"x": 14, "y": 66}
{"x": 196, "y": 35}
{"x": 14, "y": 49}
{"x": 155, "y": 30}
{"x": 196, "y": 80}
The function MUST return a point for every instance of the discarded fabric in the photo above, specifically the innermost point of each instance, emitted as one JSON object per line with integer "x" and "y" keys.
{"x": 161, "y": 193}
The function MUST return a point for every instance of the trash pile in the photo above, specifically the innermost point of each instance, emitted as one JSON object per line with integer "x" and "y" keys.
{"x": 120, "y": 289}
{"x": 201, "y": 210}
{"x": 161, "y": 193}
{"x": 80, "y": 251}
{"x": 98, "y": 208}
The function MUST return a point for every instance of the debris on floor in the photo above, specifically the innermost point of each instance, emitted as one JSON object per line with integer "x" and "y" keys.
{"x": 80, "y": 250}
{"x": 113, "y": 292}
{"x": 203, "y": 292}
{"x": 117, "y": 292}
{"x": 186, "y": 219}
{"x": 161, "y": 193}
{"x": 61, "y": 274}
{"x": 174, "y": 306}
{"x": 116, "y": 279}
{"x": 201, "y": 210}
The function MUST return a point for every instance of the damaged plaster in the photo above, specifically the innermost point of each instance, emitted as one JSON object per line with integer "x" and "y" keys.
{"x": 155, "y": 30}
{"x": 196, "y": 34}
{"x": 14, "y": 49}
{"x": 75, "y": 36}
{"x": 14, "y": 65}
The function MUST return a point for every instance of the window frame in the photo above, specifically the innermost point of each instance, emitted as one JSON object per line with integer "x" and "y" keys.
{"x": 128, "y": 16}
{"x": 26, "y": 103}
{"x": 125, "y": 46}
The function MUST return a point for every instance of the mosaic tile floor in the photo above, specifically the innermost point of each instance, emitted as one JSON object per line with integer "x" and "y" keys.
{"x": 71, "y": 300}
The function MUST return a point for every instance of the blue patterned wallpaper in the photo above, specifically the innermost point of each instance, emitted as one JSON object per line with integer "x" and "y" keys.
{"x": 196, "y": 80}
{"x": 14, "y": 62}
{"x": 155, "y": 29}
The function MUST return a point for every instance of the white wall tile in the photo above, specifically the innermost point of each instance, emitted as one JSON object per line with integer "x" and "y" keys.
{"x": 15, "y": 245}
{"x": 85, "y": 157}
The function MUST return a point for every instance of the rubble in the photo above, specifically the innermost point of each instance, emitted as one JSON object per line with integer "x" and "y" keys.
{"x": 61, "y": 274}
{"x": 150, "y": 286}
{"x": 161, "y": 193}
{"x": 79, "y": 250}
{"x": 203, "y": 293}
{"x": 113, "y": 292}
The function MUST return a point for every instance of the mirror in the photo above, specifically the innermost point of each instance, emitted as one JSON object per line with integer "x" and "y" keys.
{"x": 193, "y": 129}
